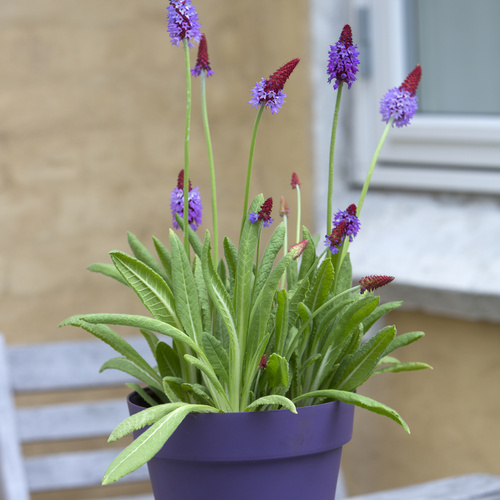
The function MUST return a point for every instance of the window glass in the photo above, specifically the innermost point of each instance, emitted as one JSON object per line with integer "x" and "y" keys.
{"x": 456, "y": 42}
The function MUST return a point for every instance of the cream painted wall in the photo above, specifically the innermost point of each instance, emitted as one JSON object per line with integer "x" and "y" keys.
{"x": 453, "y": 411}
{"x": 91, "y": 140}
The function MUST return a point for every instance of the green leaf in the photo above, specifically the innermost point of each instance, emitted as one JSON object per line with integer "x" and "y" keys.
{"x": 147, "y": 445}
{"x": 344, "y": 278}
{"x": 164, "y": 256}
{"x": 141, "y": 322}
{"x": 358, "y": 400}
{"x": 356, "y": 369}
{"x": 276, "y": 371}
{"x": 137, "y": 371}
{"x": 244, "y": 271}
{"x": 271, "y": 251}
{"x": 110, "y": 337}
{"x": 139, "y": 420}
{"x": 403, "y": 340}
{"x": 379, "y": 312}
{"x": 143, "y": 254}
{"x": 231, "y": 255}
{"x": 201, "y": 289}
{"x": 149, "y": 287}
{"x": 107, "y": 270}
{"x": 151, "y": 339}
{"x": 172, "y": 387}
{"x": 320, "y": 286}
{"x": 186, "y": 298}
{"x": 220, "y": 298}
{"x": 309, "y": 256}
{"x": 199, "y": 393}
{"x": 216, "y": 356}
{"x": 208, "y": 371}
{"x": 168, "y": 360}
{"x": 273, "y": 399}
{"x": 281, "y": 321}
{"x": 194, "y": 240}
{"x": 403, "y": 367}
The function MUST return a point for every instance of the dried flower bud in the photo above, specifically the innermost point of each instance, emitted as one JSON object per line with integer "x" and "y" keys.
{"x": 371, "y": 283}
{"x": 263, "y": 362}
{"x": 284, "y": 210}
{"x": 298, "y": 249}
{"x": 295, "y": 181}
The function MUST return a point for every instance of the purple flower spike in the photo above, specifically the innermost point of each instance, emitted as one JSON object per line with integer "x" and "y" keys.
{"x": 343, "y": 60}
{"x": 177, "y": 203}
{"x": 401, "y": 103}
{"x": 183, "y": 22}
{"x": 202, "y": 63}
{"x": 264, "y": 214}
{"x": 270, "y": 91}
{"x": 346, "y": 224}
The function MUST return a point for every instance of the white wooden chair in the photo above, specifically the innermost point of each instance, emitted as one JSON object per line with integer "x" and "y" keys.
{"x": 66, "y": 366}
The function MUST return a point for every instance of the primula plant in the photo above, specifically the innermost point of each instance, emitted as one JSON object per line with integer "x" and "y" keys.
{"x": 253, "y": 328}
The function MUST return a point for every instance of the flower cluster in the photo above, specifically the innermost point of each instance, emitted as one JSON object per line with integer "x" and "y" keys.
{"x": 202, "y": 62}
{"x": 183, "y": 22}
{"x": 370, "y": 283}
{"x": 400, "y": 103}
{"x": 346, "y": 224}
{"x": 264, "y": 214}
{"x": 177, "y": 203}
{"x": 270, "y": 92}
{"x": 343, "y": 60}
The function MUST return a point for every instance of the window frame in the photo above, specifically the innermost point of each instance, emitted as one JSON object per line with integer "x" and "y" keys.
{"x": 437, "y": 152}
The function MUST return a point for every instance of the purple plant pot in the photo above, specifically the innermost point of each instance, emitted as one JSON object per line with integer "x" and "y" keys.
{"x": 247, "y": 456}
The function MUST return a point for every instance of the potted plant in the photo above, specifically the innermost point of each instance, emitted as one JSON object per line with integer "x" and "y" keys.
{"x": 256, "y": 390}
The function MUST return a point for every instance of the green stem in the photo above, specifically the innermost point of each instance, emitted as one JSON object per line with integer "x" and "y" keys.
{"x": 331, "y": 161}
{"x": 299, "y": 215}
{"x": 186, "y": 145}
{"x": 372, "y": 165}
{"x": 210, "y": 164}
{"x": 250, "y": 164}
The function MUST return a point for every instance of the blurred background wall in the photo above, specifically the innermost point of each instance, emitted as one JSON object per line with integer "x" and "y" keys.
{"x": 91, "y": 131}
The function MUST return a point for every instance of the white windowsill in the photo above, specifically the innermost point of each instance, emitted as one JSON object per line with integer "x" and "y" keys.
{"x": 443, "y": 249}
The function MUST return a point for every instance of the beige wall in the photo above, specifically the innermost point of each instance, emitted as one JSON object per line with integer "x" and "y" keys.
{"x": 453, "y": 411}
{"x": 91, "y": 139}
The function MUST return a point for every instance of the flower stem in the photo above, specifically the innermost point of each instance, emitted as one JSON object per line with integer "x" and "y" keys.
{"x": 331, "y": 161}
{"x": 186, "y": 146}
{"x": 210, "y": 164}
{"x": 250, "y": 164}
{"x": 299, "y": 215}
{"x": 372, "y": 165}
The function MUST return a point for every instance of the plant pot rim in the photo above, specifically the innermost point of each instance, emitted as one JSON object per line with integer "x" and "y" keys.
{"x": 274, "y": 433}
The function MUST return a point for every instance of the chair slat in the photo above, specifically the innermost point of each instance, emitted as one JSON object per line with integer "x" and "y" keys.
{"x": 74, "y": 470}
{"x": 467, "y": 487}
{"x": 70, "y": 421}
{"x": 67, "y": 365}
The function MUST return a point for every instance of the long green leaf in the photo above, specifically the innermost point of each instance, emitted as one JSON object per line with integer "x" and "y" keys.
{"x": 244, "y": 271}
{"x": 137, "y": 371}
{"x": 108, "y": 270}
{"x": 165, "y": 258}
{"x": 364, "y": 361}
{"x": 273, "y": 399}
{"x": 141, "y": 322}
{"x": 403, "y": 340}
{"x": 186, "y": 298}
{"x": 320, "y": 286}
{"x": 139, "y": 420}
{"x": 201, "y": 290}
{"x": 358, "y": 400}
{"x": 110, "y": 337}
{"x": 149, "y": 287}
{"x": 404, "y": 367}
{"x": 168, "y": 360}
{"x": 147, "y": 445}
{"x": 216, "y": 356}
{"x": 143, "y": 254}
{"x": 194, "y": 240}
